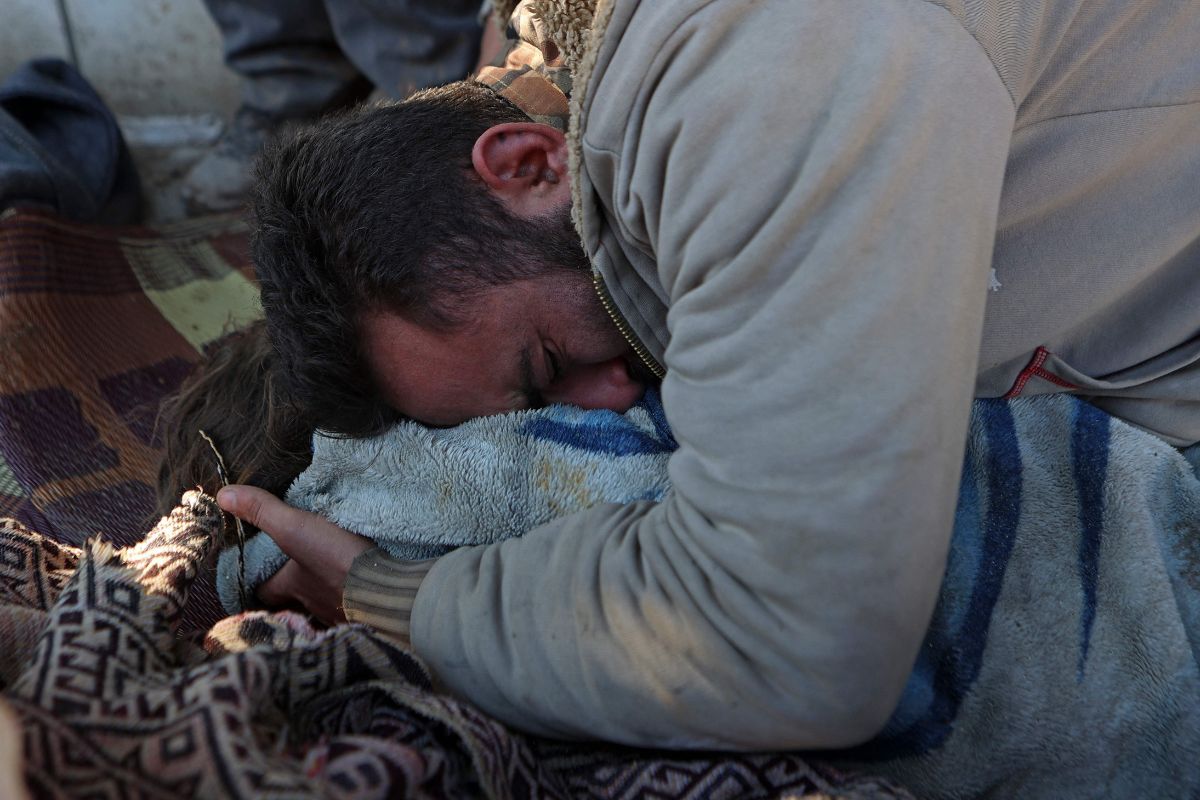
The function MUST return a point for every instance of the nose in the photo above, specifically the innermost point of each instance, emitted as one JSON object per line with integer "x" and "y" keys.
{"x": 602, "y": 385}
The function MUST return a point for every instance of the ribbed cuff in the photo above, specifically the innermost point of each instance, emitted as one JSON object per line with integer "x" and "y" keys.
{"x": 380, "y": 592}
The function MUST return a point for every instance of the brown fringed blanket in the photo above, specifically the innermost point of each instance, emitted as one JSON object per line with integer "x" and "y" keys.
{"x": 101, "y": 654}
{"x": 113, "y": 704}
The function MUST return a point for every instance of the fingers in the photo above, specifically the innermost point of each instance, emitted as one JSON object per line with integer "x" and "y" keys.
{"x": 307, "y": 538}
{"x": 321, "y": 553}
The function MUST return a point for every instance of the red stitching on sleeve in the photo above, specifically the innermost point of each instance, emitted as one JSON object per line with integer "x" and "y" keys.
{"x": 1034, "y": 369}
{"x": 1035, "y": 363}
{"x": 1046, "y": 375}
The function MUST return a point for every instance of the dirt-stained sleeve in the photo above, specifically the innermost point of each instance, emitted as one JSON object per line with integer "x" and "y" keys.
{"x": 819, "y": 181}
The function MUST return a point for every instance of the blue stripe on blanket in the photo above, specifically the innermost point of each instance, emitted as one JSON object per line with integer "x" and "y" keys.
{"x": 1090, "y": 433}
{"x": 604, "y": 432}
{"x": 950, "y": 658}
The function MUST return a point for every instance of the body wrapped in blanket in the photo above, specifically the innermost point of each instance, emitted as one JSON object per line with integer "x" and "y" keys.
{"x": 1072, "y": 577}
{"x": 123, "y": 676}
{"x": 790, "y": 212}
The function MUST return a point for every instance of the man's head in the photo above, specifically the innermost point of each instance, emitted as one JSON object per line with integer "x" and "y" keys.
{"x": 418, "y": 258}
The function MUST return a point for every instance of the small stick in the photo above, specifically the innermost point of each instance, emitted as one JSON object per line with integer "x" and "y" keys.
{"x": 223, "y": 474}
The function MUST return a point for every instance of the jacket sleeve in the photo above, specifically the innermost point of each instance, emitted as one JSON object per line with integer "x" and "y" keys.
{"x": 819, "y": 183}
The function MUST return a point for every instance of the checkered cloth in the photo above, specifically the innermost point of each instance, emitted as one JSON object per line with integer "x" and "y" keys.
{"x": 533, "y": 76}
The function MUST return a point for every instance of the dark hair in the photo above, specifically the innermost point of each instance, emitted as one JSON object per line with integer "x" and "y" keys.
{"x": 380, "y": 209}
{"x": 235, "y": 396}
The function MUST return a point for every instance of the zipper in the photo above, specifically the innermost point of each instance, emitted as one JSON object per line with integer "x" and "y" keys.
{"x": 642, "y": 353}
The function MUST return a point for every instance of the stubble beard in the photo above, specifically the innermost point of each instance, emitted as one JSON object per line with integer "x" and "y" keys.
{"x": 556, "y": 240}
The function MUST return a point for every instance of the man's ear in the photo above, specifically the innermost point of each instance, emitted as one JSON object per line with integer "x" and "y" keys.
{"x": 525, "y": 165}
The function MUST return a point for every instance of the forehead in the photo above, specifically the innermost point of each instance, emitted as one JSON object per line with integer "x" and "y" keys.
{"x": 446, "y": 377}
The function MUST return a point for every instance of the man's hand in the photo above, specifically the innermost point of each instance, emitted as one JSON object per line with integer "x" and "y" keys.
{"x": 321, "y": 553}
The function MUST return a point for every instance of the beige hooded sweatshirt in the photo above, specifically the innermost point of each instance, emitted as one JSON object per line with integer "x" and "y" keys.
{"x": 832, "y": 222}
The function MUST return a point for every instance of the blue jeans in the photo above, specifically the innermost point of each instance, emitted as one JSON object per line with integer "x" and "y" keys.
{"x": 299, "y": 58}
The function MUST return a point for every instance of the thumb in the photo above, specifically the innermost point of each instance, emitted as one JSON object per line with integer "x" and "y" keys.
{"x": 313, "y": 541}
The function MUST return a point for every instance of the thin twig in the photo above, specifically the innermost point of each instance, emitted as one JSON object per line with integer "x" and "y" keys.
{"x": 223, "y": 474}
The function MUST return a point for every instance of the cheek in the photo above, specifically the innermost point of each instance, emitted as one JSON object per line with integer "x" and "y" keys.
{"x": 600, "y": 336}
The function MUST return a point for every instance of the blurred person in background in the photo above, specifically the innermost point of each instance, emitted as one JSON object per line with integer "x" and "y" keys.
{"x": 301, "y": 58}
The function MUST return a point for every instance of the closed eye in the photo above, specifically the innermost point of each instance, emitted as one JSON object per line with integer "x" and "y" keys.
{"x": 554, "y": 368}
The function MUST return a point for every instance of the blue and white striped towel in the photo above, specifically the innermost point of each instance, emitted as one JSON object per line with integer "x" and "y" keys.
{"x": 1062, "y": 658}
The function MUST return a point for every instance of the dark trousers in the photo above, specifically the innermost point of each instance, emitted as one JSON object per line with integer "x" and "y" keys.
{"x": 301, "y": 57}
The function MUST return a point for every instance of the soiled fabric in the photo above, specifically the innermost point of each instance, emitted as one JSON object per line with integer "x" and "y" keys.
{"x": 1072, "y": 579}
{"x": 111, "y": 704}
{"x": 832, "y": 223}
{"x": 1060, "y": 661}
{"x": 421, "y": 492}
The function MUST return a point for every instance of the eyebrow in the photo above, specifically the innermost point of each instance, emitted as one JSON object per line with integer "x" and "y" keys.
{"x": 533, "y": 396}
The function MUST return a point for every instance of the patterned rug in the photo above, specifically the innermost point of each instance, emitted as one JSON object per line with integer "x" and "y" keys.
{"x": 97, "y": 325}
{"x": 113, "y": 704}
